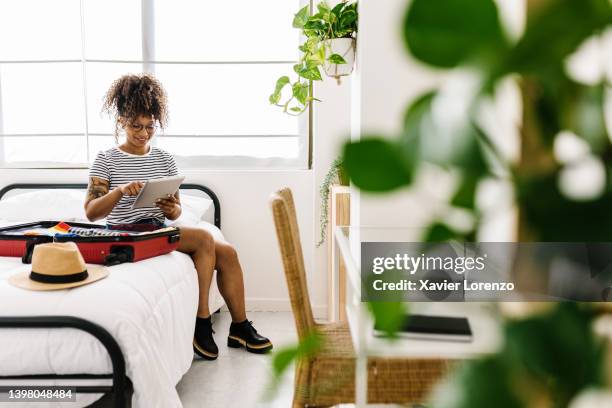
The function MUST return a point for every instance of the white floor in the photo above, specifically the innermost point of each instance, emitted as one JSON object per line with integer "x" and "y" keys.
{"x": 237, "y": 378}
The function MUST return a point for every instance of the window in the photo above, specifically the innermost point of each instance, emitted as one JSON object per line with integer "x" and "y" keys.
{"x": 217, "y": 60}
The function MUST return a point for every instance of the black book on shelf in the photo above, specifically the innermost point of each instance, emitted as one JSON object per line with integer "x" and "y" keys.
{"x": 425, "y": 327}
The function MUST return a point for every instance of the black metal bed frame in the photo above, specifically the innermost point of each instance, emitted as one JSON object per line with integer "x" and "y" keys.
{"x": 76, "y": 186}
{"x": 119, "y": 394}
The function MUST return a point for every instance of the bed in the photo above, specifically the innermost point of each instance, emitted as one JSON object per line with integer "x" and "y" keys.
{"x": 125, "y": 340}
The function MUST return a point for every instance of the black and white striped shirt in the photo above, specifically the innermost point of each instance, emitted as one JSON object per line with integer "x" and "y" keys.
{"x": 119, "y": 167}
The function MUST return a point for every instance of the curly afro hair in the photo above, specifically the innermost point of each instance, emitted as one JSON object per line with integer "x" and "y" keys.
{"x": 133, "y": 95}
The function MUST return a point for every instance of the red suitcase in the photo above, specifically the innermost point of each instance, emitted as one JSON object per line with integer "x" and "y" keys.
{"x": 106, "y": 250}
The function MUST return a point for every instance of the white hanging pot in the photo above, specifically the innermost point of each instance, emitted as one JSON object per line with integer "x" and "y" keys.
{"x": 345, "y": 47}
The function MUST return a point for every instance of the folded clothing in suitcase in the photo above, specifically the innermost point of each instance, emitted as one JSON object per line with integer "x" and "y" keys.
{"x": 97, "y": 244}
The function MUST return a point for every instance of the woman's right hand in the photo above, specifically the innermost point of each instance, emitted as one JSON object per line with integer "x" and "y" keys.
{"x": 131, "y": 188}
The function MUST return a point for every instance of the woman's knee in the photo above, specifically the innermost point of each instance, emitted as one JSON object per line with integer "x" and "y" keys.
{"x": 226, "y": 253}
{"x": 206, "y": 241}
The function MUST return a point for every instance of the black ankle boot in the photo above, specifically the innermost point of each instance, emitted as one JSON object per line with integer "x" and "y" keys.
{"x": 243, "y": 334}
{"x": 203, "y": 343}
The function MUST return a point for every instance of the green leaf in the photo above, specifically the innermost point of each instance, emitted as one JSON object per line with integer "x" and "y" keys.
{"x": 348, "y": 22}
{"x": 283, "y": 358}
{"x": 422, "y": 140}
{"x": 469, "y": 155}
{"x": 280, "y": 84}
{"x": 301, "y": 91}
{"x": 556, "y": 218}
{"x": 465, "y": 196}
{"x": 316, "y": 25}
{"x": 324, "y": 9}
{"x": 446, "y": 33}
{"x": 336, "y": 59}
{"x": 337, "y": 10}
{"x": 316, "y": 56}
{"x": 301, "y": 17}
{"x": 588, "y": 117}
{"x": 553, "y": 96}
{"x": 310, "y": 46}
{"x": 550, "y": 26}
{"x": 377, "y": 165}
{"x": 419, "y": 107}
{"x": 296, "y": 109}
{"x": 536, "y": 343}
{"x": 440, "y": 232}
{"x": 483, "y": 383}
{"x": 313, "y": 73}
{"x": 414, "y": 117}
{"x": 308, "y": 70}
{"x": 389, "y": 316}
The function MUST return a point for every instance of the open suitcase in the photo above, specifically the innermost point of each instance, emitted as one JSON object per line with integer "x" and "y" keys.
{"x": 97, "y": 244}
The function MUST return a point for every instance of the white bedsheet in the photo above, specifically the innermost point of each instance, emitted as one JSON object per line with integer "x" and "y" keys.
{"x": 149, "y": 307}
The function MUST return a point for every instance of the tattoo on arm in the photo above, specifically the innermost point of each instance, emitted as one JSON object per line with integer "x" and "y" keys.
{"x": 97, "y": 188}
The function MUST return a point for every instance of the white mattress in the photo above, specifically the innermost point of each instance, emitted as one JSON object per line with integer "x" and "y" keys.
{"x": 149, "y": 307}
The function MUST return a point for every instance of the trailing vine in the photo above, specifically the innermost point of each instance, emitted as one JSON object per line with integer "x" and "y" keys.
{"x": 332, "y": 176}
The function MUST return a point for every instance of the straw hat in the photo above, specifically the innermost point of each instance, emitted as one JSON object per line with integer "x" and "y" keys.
{"x": 57, "y": 266}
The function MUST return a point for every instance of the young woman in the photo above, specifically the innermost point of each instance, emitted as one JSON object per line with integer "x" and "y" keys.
{"x": 138, "y": 105}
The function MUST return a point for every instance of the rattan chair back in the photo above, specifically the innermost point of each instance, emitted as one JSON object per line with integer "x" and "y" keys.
{"x": 288, "y": 234}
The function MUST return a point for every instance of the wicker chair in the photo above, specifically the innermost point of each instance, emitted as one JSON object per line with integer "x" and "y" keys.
{"x": 328, "y": 378}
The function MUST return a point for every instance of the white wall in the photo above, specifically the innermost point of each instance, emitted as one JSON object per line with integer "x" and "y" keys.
{"x": 387, "y": 80}
{"x": 331, "y": 127}
{"x": 331, "y": 130}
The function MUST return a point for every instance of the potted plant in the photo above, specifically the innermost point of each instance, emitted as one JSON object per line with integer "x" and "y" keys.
{"x": 335, "y": 175}
{"x": 329, "y": 43}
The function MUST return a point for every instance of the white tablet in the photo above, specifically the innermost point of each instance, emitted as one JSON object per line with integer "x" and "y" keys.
{"x": 157, "y": 188}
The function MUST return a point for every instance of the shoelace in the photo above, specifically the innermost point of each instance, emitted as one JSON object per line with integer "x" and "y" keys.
{"x": 251, "y": 325}
{"x": 211, "y": 329}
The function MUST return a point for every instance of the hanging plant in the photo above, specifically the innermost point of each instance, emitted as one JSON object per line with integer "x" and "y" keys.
{"x": 329, "y": 43}
{"x": 335, "y": 175}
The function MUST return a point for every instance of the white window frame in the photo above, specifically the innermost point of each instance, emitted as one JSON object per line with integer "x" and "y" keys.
{"x": 148, "y": 62}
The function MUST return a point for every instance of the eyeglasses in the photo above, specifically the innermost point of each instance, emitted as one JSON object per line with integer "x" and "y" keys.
{"x": 137, "y": 127}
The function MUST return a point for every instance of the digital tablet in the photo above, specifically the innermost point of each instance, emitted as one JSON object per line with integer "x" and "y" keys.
{"x": 157, "y": 188}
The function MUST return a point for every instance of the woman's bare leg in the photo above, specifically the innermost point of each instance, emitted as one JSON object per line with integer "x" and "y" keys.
{"x": 200, "y": 245}
{"x": 230, "y": 280}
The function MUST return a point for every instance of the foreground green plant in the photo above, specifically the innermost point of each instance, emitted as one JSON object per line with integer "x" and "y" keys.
{"x": 545, "y": 360}
{"x": 328, "y": 23}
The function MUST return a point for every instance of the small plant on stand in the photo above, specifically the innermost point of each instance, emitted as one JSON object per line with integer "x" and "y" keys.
{"x": 335, "y": 175}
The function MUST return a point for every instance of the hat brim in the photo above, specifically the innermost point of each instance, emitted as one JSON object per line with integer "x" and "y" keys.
{"x": 22, "y": 280}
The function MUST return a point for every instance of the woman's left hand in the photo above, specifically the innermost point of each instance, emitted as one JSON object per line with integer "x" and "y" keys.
{"x": 169, "y": 206}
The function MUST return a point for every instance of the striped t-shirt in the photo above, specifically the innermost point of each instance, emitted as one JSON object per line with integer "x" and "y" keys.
{"x": 119, "y": 167}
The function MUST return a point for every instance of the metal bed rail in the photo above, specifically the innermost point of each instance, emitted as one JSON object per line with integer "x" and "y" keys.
{"x": 121, "y": 388}
{"x": 79, "y": 186}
